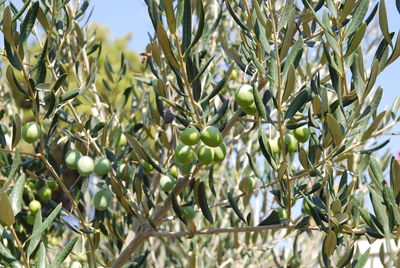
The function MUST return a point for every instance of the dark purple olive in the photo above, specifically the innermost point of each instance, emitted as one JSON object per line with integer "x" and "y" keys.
{"x": 168, "y": 116}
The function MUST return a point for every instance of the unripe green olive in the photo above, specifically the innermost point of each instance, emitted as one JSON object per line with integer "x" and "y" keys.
{"x": 247, "y": 184}
{"x": 220, "y": 152}
{"x": 234, "y": 74}
{"x": 30, "y": 218}
{"x": 71, "y": 158}
{"x": 102, "y": 200}
{"x": 34, "y": 206}
{"x": 125, "y": 172}
{"x": 31, "y": 132}
{"x": 190, "y": 136}
{"x": 211, "y": 136}
{"x": 282, "y": 213}
{"x": 302, "y": 134}
{"x": 45, "y": 194}
{"x": 173, "y": 171}
{"x": 85, "y": 165}
{"x": 290, "y": 142}
{"x": 184, "y": 168}
{"x": 122, "y": 140}
{"x": 166, "y": 183}
{"x": 148, "y": 167}
{"x": 251, "y": 110}
{"x": 102, "y": 166}
{"x": 53, "y": 241}
{"x": 188, "y": 212}
{"x": 53, "y": 185}
{"x": 244, "y": 96}
{"x": 205, "y": 154}
{"x": 274, "y": 145}
{"x": 184, "y": 154}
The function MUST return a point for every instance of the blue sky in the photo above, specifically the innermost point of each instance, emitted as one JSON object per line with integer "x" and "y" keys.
{"x": 130, "y": 16}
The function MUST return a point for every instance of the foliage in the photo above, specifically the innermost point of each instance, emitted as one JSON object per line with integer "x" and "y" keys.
{"x": 243, "y": 184}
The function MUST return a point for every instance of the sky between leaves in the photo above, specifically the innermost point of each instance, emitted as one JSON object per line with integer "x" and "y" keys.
{"x": 130, "y": 16}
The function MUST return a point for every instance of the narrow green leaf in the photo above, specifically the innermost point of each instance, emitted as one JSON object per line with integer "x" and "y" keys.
{"x": 290, "y": 83}
{"x": 297, "y": 103}
{"x": 29, "y": 22}
{"x": 287, "y": 11}
{"x": 235, "y": 17}
{"x": 272, "y": 219}
{"x": 372, "y": 77}
{"x": 374, "y": 125}
{"x": 169, "y": 10}
{"x": 33, "y": 243}
{"x": 7, "y": 256}
{"x": 252, "y": 165}
{"x": 376, "y": 173}
{"x": 7, "y": 215}
{"x": 17, "y": 125}
{"x": 186, "y": 25}
{"x": 235, "y": 207}
{"x": 334, "y": 129}
{"x": 293, "y": 56}
{"x": 49, "y": 220}
{"x": 395, "y": 176}
{"x": 59, "y": 82}
{"x": 362, "y": 260}
{"x": 359, "y": 14}
{"x": 21, "y": 11}
{"x": 7, "y": 26}
{"x": 356, "y": 40}
{"x": 63, "y": 254}
{"x": 220, "y": 85}
{"x": 69, "y": 95}
{"x": 200, "y": 25}
{"x": 259, "y": 103}
{"x": 41, "y": 256}
{"x": 16, "y": 194}
{"x": 383, "y": 22}
{"x": 391, "y": 204}
{"x": 164, "y": 43}
{"x": 202, "y": 198}
{"x": 396, "y": 51}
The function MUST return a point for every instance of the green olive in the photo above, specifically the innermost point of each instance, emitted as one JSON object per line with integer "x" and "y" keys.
{"x": 148, "y": 167}
{"x": 34, "y": 206}
{"x": 290, "y": 142}
{"x": 30, "y": 218}
{"x": 122, "y": 140}
{"x": 102, "y": 166}
{"x": 244, "y": 96}
{"x": 251, "y": 110}
{"x": 247, "y": 184}
{"x": 274, "y": 145}
{"x": 211, "y": 136}
{"x": 53, "y": 185}
{"x": 31, "y": 132}
{"x": 85, "y": 165}
{"x": 166, "y": 183}
{"x": 184, "y": 154}
{"x": 220, "y": 152}
{"x": 102, "y": 200}
{"x": 173, "y": 171}
{"x": 71, "y": 158}
{"x": 45, "y": 194}
{"x": 205, "y": 154}
{"x": 302, "y": 134}
{"x": 125, "y": 172}
{"x": 188, "y": 212}
{"x": 190, "y": 136}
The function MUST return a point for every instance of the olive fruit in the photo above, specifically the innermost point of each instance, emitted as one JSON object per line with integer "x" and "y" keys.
{"x": 282, "y": 213}
{"x": 190, "y": 136}
{"x": 148, "y": 167}
{"x": 173, "y": 171}
{"x": 205, "y": 154}
{"x": 102, "y": 166}
{"x": 122, "y": 140}
{"x": 85, "y": 165}
{"x": 188, "y": 212}
{"x": 166, "y": 183}
{"x": 290, "y": 142}
{"x": 53, "y": 241}
{"x": 75, "y": 264}
{"x": 34, "y": 206}
{"x": 30, "y": 218}
{"x": 185, "y": 168}
{"x": 31, "y": 132}
{"x": 234, "y": 74}
{"x": 220, "y": 152}
{"x": 251, "y": 110}
{"x": 302, "y": 134}
{"x": 71, "y": 158}
{"x": 53, "y": 185}
{"x": 244, "y": 96}
{"x": 45, "y": 194}
{"x": 211, "y": 136}
{"x": 102, "y": 200}
{"x": 124, "y": 172}
{"x": 184, "y": 154}
{"x": 274, "y": 145}
{"x": 247, "y": 184}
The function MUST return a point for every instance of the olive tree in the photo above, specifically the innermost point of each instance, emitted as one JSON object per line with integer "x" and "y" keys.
{"x": 248, "y": 134}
